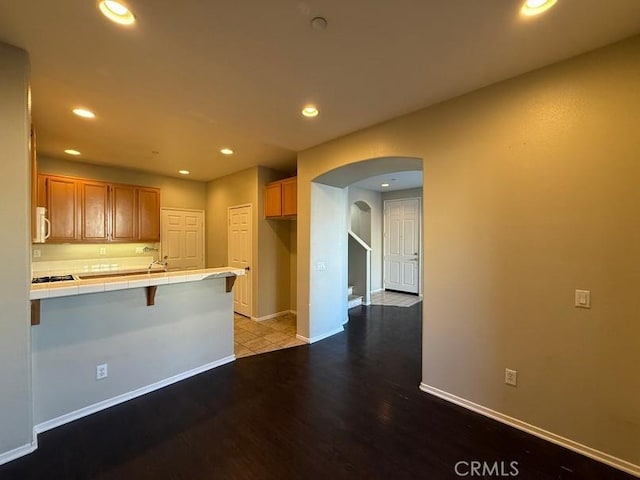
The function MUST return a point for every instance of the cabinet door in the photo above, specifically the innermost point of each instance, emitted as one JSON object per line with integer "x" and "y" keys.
{"x": 290, "y": 196}
{"x": 148, "y": 214}
{"x": 62, "y": 208}
{"x": 94, "y": 213}
{"x": 123, "y": 213}
{"x": 273, "y": 200}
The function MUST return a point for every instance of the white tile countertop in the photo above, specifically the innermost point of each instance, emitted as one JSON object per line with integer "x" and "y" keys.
{"x": 126, "y": 281}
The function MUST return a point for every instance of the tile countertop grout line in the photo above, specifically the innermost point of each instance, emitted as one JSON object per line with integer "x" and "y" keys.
{"x": 128, "y": 281}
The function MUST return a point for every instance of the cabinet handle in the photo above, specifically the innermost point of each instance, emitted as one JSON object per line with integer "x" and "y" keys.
{"x": 48, "y": 224}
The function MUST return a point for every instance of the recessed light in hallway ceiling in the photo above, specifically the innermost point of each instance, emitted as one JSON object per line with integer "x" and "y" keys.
{"x": 536, "y": 7}
{"x": 71, "y": 151}
{"x": 116, "y": 12}
{"x": 310, "y": 111}
{"x": 226, "y": 151}
{"x": 84, "y": 113}
{"x": 184, "y": 172}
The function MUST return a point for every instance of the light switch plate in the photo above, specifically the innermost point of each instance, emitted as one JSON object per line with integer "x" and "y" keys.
{"x": 321, "y": 266}
{"x": 583, "y": 299}
{"x": 510, "y": 377}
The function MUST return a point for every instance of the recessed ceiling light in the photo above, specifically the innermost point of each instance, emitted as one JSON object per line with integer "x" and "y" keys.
{"x": 319, "y": 23}
{"x": 310, "y": 111}
{"x": 184, "y": 172}
{"x": 384, "y": 185}
{"x": 84, "y": 113}
{"x": 535, "y": 7}
{"x": 71, "y": 151}
{"x": 226, "y": 151}
{"x": 116, "y": 12}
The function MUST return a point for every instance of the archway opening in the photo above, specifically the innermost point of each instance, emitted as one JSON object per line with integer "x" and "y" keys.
{"x": 331, "y": 214}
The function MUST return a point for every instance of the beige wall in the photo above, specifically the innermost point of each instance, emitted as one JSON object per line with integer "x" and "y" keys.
{"x": 15, "y": 360}
{"x": 239, "y": 188}
{"x": 530, "y": 191}
{"x": 271, "y": 238}
{"x": 293, "y": 265}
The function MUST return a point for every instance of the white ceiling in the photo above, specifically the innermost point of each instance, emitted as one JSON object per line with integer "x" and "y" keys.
{"x": 396, "y": 181}
{"x": 193, "y": 76}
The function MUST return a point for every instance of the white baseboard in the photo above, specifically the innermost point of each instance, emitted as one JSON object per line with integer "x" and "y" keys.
{"x": 377, "y": 290}
{"x": 273, "y": 315}
{"x": 16, "y": 453}
{"x": 320, "y": 337}
{"x": 96, "y": 407}
{"x": 605, "y": 458}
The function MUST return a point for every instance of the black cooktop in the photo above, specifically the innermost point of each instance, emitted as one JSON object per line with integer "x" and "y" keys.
{"x": 53, "y": 278}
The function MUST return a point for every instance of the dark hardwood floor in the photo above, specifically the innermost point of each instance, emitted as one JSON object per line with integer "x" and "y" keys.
{"x": 346, "y": 407}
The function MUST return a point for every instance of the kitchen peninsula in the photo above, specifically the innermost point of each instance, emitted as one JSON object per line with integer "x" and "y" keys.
{"x": 108, "y": 320}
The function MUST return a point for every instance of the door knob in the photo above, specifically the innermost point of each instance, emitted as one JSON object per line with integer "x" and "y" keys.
{"x": 246, "y": 269}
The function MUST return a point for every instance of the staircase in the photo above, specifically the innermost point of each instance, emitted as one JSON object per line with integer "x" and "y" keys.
{"x": 353, "y": 300}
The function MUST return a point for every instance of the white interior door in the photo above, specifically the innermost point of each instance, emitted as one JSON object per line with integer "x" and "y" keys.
{"x": 182, "y": 235}
{"x": 402, "y": 245}
{"x": 239, "y": 248}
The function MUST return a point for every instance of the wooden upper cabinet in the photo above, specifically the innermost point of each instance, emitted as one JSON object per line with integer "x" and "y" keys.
{"x": 124, "y": 214}
{"x": 280, "y": 198}
{"x": 148, "y": 214}
{"x": 94, "y": 211}
{"x": 62, "y": 208}
{"x": 273, "y": 200}
{"x": 290, "y": 196}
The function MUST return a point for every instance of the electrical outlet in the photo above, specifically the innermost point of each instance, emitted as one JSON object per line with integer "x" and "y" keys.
{"x": 37, "y": 253}
{"x": 103, "y": 251}
{"x": 102, "y": 371}
{"x": 583, "y": 299}
{"x": 510, "y": 377}
{"x": 321, "y": 266}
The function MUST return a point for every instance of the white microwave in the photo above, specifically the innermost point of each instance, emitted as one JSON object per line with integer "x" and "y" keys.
{"x": 43, "y": 226}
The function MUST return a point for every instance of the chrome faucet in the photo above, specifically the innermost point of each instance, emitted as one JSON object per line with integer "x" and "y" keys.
{"x": 164, "y": 263}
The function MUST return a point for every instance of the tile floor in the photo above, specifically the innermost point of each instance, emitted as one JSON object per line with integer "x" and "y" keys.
{"x": 394, "y": 299}
{"x": 253, "y": 337}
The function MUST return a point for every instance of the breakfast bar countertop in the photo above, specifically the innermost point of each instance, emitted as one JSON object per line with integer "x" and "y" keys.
{"x": 126, "y": 281}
